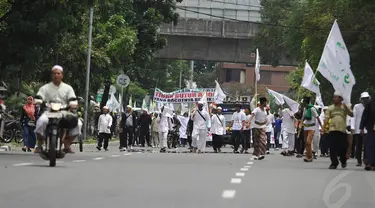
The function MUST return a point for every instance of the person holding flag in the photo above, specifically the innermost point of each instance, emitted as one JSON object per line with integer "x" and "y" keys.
{"x": 259, "y": 129}
{"x": 337, "y": 113}
{"x": 200, "y": 118}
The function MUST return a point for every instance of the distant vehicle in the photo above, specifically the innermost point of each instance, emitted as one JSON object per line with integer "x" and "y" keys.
{"x": 228, "y": 110}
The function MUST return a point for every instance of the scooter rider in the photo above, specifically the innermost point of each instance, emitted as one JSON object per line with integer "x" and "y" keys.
{"x": 56, "y": 91}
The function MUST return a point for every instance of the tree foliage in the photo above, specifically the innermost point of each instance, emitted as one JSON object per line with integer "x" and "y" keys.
{"x": 300, "y": 29}
{"x": 35, "y": 35}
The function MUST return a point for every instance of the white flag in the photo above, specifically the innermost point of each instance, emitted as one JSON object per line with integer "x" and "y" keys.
{"x": 204, "y": 101}
{"x": 334, "y": 64}
{"x": 112, "y": 103}
{"x": 293, "y": 105}
{"x": 278, "y": 97}
{"x": 309, "y": 81}
{"x": 319, "y": 100}
{"x": 257, "y": 66}
{"x": 219, "y": 95}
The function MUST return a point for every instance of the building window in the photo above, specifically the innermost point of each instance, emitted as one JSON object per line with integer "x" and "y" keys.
{"x": 233, "y": 75}
{"x": 265, "y": 77}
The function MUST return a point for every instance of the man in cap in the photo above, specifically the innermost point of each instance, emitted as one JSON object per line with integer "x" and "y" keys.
{"x": 201, "y": 121}
{"x": 218, "y": 129}
{"x": 57, "y": 91}
{"x": 368, "y": 122}
{"x": 358, "y": 138}
{"x": 259, "y": 133}
{"x": 288, "y": 131}
{"x": 310, "y": 117}
{"x": 238, "y": 125}
{"x": 337, "y": 113}
{"x": 104, "y": 128}
{"x": 164, "y": 126}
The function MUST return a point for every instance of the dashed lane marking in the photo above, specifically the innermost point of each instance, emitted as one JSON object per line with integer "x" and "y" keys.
{"x": 127, "y": 154}
{"x": 250, "y": 163}
{"x": 228, "y": 194}
{"x": 98, "y": 158}
{"x": 22, "y": 164}
{"x": 115, "y": 155}
{"x": 236, "y": 180}
{"x": 78, "y": 161}
{"x": 244, "y": 169}
{"x": 240, "y": 174}
{"x": 247, "y": 166}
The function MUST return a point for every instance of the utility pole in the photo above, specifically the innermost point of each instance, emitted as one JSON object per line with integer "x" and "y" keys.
{"x": 87, "y": 89}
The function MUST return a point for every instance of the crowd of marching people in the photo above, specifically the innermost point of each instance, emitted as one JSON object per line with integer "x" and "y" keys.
{"x": 336, "y": 131}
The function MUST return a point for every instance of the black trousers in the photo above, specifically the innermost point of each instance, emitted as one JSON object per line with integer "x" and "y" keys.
{"x": 190, "y": 140}
{"x": 144, "y": 136}
{"x": 359, "y": 143}
{"x": 338, "y": 146}
{"x": 126, "y": 137}
{"x": 300, "y": 143}
{"x": 105, "y": 137}
{"x": 236, "y": 138}
{"x": 324, "y": 144}
{"x": 245, "y": 140}
{"x": 217, "y": 141}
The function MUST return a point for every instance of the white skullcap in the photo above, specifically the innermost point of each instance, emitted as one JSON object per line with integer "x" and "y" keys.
{"x": 219, "y": 108}
{"x": 365, "y": 95}
{"x": 128, "y": 106}
{"x": 105, "y": 107}
{"x": 57, "y": 67}
{"x": 200, "y": 102}
{"x": 144, "y": 109}
{"x": 38, "y": 101}
{"x": 73, "y": 102}
{"x": 337, "y": 93}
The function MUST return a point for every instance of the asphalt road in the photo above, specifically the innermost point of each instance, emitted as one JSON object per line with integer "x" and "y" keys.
{"x": 144, "y": 180}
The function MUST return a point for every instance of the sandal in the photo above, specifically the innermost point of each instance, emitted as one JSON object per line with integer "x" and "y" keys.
{"x": 24, "y": 149}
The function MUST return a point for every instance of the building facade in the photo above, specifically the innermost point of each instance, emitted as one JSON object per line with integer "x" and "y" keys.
{"x": 270, "y": 77}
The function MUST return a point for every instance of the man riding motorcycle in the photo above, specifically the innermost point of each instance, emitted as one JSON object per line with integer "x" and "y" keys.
{"x": 56, "y": 91}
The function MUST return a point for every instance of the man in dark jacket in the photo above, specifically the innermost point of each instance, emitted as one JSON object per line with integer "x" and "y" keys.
{"x": 368, "y": 122}
{"x": 127, "y": 126}
{"x": 144, "y": 123}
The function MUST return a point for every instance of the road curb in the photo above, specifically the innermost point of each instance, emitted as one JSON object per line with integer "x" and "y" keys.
{"x": 75, "y": 147}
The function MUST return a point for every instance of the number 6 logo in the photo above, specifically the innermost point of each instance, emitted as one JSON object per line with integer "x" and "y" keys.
{"x": 333, "y": 186}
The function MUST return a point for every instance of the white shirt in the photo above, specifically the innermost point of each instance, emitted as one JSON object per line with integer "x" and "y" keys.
{"x": 199, "y": 122}
{"x": 218, "y": 127}
{"x": 260, "y": 116}
{"x": 163, "y": 123}
{"x": 348, "y": 123}
{"x": 314, "y": 115}
{"x": 184, "y": 122}
{"x": 270, "y": 121}
{"x": 288, "y": 123}
{"x": 357, "y": 116}
{"x": 237, "y": 119}
{"x": 105, "y": 123}
{"x": 62, "y": 93}
{"x": 247, "y": 119}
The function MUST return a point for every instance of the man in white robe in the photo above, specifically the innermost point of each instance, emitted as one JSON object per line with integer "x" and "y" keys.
{"x": 202, "y": 122}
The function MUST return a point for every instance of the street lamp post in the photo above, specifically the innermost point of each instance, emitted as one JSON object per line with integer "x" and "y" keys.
{"x": 88, "y": 74}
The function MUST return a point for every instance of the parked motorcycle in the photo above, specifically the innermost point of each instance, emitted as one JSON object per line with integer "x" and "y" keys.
{"x": 10, "y": 128}
{"x": 59, "y": 120}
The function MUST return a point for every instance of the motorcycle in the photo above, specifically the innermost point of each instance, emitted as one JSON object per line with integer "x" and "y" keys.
{"x": 58, "y": 123}
{"x": 10, "y": 128}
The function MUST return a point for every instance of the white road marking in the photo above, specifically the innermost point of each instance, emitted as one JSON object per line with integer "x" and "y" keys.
{"x": 56, "y": 161}
{"x": 228, "y": 194}
{"x": 250, "y": 163}
{"x": 78, "y": 161}
{"x": 236, "y": 180}
{"x": 139, "y": 152}
{"x": 247, "y": 166}
{"x": 126, "y": 154}
{"x": 239, "y": 174}
{"x": 244, "y": 169}
{"x": 98, "y": 158}
{"x": 115, "y": 156}
{"x": 22, "y": 164}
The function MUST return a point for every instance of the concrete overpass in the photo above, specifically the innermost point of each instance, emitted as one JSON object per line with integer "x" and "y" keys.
{"x": 214, "y": 30}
